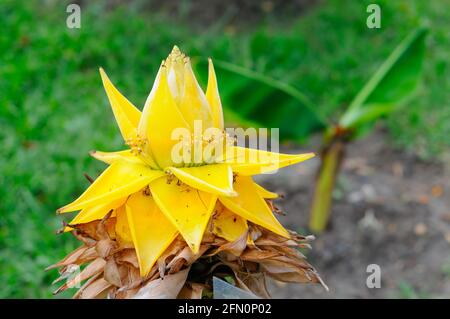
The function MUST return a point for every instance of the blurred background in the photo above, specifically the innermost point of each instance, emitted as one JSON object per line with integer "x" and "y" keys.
{"x": 391, "y": 200}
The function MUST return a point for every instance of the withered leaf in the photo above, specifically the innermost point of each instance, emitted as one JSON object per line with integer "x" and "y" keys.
{"x": 112, "y": 274}
{"x": 90, "y": 270}
{"x": 191, "y": 291}
{"x": 85, "y": 285}
{"x": 105, "y": 247}
{"x": 236, "y": 247}
{"x": 69, "y": 259}
{"x": 255, "y": 283}
{"x": 258, "y": 254}
{"x": 95, "y": 289}
{"x": 127, "y": 256}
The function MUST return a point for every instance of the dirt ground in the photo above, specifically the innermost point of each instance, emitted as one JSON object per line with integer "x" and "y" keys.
{"x": 390, "y": 209}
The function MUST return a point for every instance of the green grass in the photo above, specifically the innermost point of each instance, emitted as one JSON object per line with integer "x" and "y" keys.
{"x": 406, "y": 291}
{"x": 53, "y": 109}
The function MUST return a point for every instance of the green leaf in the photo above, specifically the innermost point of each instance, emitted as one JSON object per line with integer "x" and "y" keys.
{"x": 368, "y": 113}
{"x": 391, "y": 85}
{"x": 270, "y": 103}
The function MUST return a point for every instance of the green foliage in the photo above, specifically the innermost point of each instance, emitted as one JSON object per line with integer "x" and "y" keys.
{"x": 53, "y": 111}
{"x": 406, "y": 291}
{"x": 273, "y": 103}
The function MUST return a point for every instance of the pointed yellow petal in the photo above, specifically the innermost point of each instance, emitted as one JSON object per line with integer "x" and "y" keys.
{"x": 111, "y": 157}
{"x": 126, "y": 114}
{"x": 265, "y": 193}
{"x": 118, "y": 180}
{"x": 152, "y": 232}
{"x": 175, "y": 76}
{"x": 251, "y": 206}
{"x": 213, "y": 97}
{"x": 194, "y": 105}
{"x": 228, "y": 225}
{"x": 96, "y": 212}
{"x": 122, "y": 229}
{"x": 215, "y": 178}
{"x": 249, "y": 161}
{"x": 151, "y": 95}
{"x": 159, "y": 120}
{"x": 187, "y": 208}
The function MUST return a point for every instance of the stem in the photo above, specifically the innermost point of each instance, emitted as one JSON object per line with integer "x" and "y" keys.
{"x": 331, "y": 158}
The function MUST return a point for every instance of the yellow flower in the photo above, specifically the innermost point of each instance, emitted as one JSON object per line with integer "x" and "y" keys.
{"x": 153, "y": 197}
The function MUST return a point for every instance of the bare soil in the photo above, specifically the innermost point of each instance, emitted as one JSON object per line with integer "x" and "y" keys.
{"x": 390, "y": 209}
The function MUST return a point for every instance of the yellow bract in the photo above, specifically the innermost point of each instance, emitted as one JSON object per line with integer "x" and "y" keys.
{"x": 249, "y": 161}
{"x": 118, "y": 180}
{"x": 154, "y": 198}
{"x": 127, "y": 115}
{"x": 159, "y": 120}
{"x": 189, "y": 209}
{"x": 213, "y": 97}
{"x": 229, "y": 225}
{"x": 96, "y": 212}
{"x": 194, "y": 105}
{"x": 265, "y": 193}
{"x": 111, "y": 157}
{"x": 215, "y": 178}
{"x": 251, "y": 206}
{"x": 122, "y": 228}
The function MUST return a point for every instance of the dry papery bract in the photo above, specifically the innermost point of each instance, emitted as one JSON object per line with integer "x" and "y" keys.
{"x": 110, "y": 269}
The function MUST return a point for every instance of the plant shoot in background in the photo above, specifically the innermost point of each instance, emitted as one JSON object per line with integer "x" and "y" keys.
{"x": 390, "y": 87}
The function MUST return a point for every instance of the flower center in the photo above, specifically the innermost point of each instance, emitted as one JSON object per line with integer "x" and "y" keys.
{"x": 189, "y": 150}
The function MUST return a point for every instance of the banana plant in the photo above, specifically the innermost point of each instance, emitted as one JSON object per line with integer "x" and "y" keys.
{"x": 273, "y": 103}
